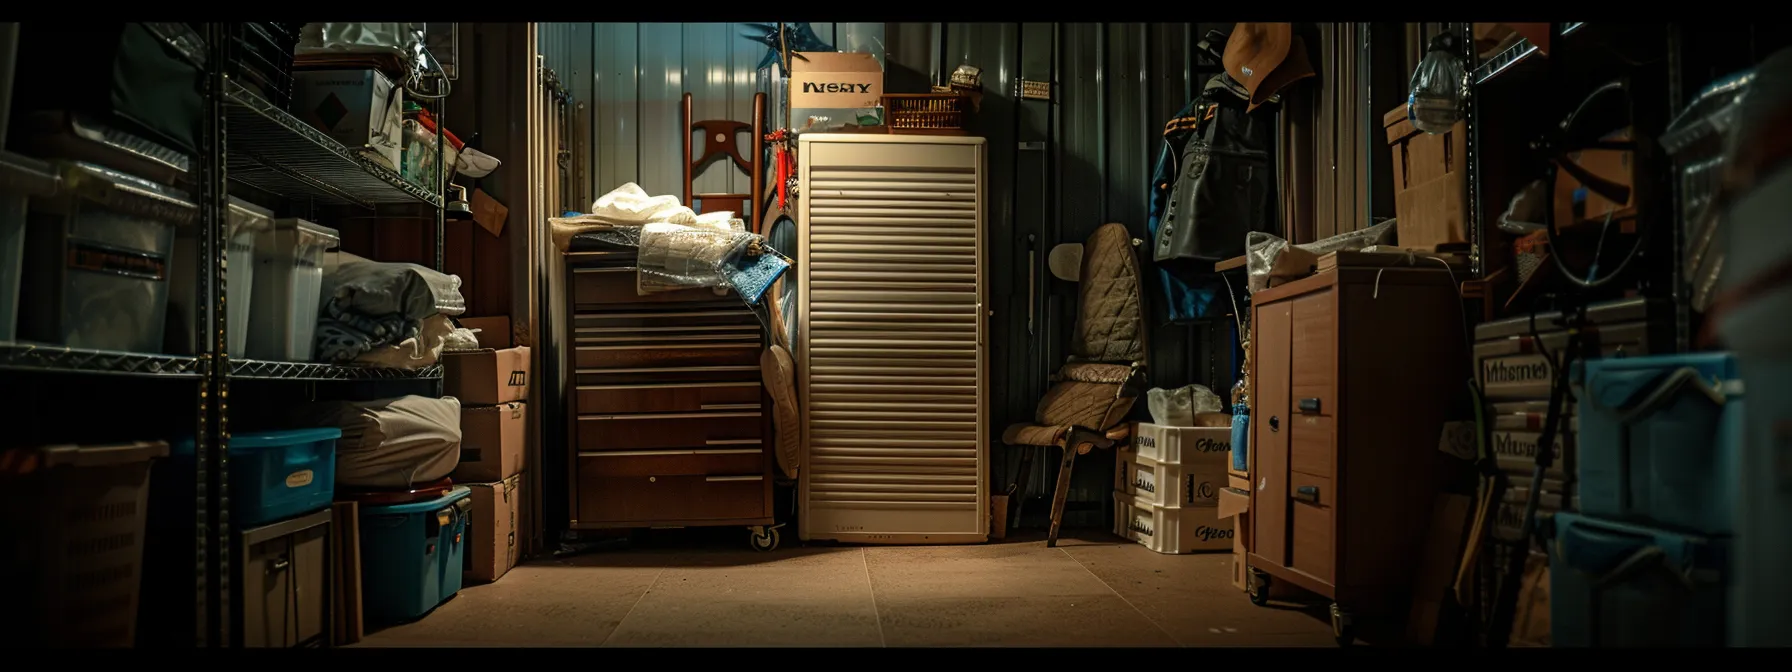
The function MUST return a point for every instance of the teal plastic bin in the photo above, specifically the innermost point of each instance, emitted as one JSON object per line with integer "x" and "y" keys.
{"x": 273, "y": 475}
{"x": 411, "y": 555}
{"x": 1660, "y": 441}
{"x": 1621, "y": 585}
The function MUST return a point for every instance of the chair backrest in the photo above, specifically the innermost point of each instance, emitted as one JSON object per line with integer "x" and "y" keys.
{"x": 1110, "y": 320}
{"x": 721, "y": 139}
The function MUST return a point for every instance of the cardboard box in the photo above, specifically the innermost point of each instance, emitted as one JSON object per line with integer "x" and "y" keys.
{"x": 491, "y": 442}
{"x": 496, "y": 508}
{"x": 486, "y": 377}
{"x": 820, "y": 79}
{"x": 1430, "y": 182}
{"x": 1235, "y": 503}
{"x": 1574, "y": 207}
{"x": 494, "y": 332}
{"x": 359, "y": 108}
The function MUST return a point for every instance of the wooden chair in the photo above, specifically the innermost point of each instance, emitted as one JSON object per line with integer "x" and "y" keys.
{"x": 721, "y": 138}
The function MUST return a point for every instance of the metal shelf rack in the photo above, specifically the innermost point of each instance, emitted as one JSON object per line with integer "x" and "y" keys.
{"x": 252, "y": 369}
{"x": 275, "y": 151}
{"x": 249, "y": 141}
{"x": 1512, "y": 56}
{"x": 38, "y": 357}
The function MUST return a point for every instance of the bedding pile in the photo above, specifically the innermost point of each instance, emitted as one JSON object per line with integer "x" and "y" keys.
{"x": 678, "y": 248}
{"x": 386, "y": 314}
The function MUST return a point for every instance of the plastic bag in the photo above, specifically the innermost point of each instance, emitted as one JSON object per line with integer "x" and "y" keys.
{"x": 1438, "y": 86}
{"x": 1178, "y": 407}
{"x": 1271, "y": 261}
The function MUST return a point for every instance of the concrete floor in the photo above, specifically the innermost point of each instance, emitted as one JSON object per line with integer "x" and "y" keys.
{"x": 1093, "y": 590}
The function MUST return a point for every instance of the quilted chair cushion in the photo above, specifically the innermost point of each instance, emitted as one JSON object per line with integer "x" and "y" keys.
{"x": 1071, "y": 404}
{"x": 1110, "y": 320}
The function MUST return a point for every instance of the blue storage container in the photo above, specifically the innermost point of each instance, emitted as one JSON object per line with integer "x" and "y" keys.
{"x": 411, "y": 555}
{"x": 276, "y": 475}
{"x": 1660, "y": 441}
{"x": 1615, "y": 584}
{"x": 1241, "y": 437}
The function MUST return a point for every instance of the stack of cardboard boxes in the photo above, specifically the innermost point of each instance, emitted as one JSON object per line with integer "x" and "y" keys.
{"x": 1167, "y": 487}
{"x": 492, "y": 384}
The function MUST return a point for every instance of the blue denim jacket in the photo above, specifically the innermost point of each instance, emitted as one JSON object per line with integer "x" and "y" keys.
{"x": 1185, "y": 298}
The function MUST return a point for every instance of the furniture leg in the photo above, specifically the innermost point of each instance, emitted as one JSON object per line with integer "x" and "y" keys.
{"x": 1017, "y": 488}
{"x": 1061, "y": 493}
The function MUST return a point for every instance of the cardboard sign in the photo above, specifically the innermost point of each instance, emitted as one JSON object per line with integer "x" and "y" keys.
{"x": 835, "y": 80}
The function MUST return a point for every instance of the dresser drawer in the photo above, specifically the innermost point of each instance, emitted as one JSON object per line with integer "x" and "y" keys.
{"x": 656, "y": 499}
{"x": 1312, "y": 546}
{"x": 606, "y": 286}
{"x": 668, "y": 397}
{"x": 670, "y": 320}
{"x": 715, "y": 334}
{"x": 732, "y": 460}
{"x": 669, "y": 430}
{"x": 685, "y": 374}
{"x": 669, "y": 355}
{"x": 1313, "y": 360}
{"x": 1312, "y": 445}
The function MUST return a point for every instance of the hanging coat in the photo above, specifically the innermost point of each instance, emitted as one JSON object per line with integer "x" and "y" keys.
{"x": 1224, "y": 184}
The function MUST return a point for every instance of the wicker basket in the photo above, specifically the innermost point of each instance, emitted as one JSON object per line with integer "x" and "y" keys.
{"x": 923, "y": 112}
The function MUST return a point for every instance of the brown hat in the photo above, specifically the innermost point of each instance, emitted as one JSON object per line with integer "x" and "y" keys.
{"x": 1265, "y": 58}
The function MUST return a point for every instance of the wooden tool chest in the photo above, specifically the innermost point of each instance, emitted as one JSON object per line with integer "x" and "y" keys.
{"x": 670, "y": 423}
{"x": 1355, "y": 373}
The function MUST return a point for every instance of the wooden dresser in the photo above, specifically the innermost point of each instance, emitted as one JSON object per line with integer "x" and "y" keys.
{"x": 1355, "y": 372}
{"x": 669, "y": 421}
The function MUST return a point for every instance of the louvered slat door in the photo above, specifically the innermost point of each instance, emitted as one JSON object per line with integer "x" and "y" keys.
{"x": 891, "y": 360}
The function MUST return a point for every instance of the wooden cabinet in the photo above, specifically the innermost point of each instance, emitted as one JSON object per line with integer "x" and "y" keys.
{"x": 1355, "y": 373}
{"x": 670, "y": 423}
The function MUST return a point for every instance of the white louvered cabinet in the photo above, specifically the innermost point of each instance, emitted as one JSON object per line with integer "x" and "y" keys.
{"x": 891, "y": 363}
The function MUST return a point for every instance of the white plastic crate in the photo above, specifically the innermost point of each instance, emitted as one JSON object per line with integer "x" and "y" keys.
{"x": 288, "y": 289}
{"x": 1173, "y": 485}
{"x": 1183, "y": 445}
{"x": 1195, "y": 529}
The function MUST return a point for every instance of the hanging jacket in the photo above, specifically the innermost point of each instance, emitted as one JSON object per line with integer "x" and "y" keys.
{"x": 1224, "y": 183}
{"x": 1187, "y": 295}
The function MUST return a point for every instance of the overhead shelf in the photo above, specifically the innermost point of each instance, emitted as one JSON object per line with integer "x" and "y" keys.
{"x": 259, "y": 369}
{"x": 275, "y": 151}
{"x": 38, "y": 357}
{"x": 1513, "y": 55}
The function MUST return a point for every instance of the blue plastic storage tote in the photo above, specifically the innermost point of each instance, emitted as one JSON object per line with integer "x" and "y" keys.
{"x": 276, "y": 475}
{"x": 1616, "y": 584}
{"x": 411, "y": 555}
{"x": 1660, "y": 441}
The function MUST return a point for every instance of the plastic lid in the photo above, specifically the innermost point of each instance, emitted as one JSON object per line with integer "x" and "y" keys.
{"x": 308, "y": 227}
{"x": 453, "y": 495}
{"x": 247, "y": 217}
{"x": 185, "y": 446}
{"x": 128, "y": 193}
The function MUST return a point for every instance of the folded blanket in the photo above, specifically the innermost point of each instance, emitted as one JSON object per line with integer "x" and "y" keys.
{"x": 375, "y": 288}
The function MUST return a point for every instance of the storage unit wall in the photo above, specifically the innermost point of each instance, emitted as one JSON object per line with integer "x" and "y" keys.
{"x": 252, "y": 148}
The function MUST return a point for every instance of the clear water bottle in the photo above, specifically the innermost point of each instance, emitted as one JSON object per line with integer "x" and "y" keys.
{"x": 1439, "y": 84}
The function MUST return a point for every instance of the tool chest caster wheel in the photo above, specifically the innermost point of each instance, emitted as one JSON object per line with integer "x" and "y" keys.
{"x": 1259, "y": 587}
{"x": 763, "y": 537}
{"x": 1343, "y": 628}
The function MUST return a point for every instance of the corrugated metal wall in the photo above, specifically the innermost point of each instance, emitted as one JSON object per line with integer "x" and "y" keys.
{"x": 1057, "y": 170}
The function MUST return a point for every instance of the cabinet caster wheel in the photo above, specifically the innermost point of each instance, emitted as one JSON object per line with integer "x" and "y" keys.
{"x": 763, "y": 538}
{"x": 1258, "y": 586}
{"x": 1343, "y": 629}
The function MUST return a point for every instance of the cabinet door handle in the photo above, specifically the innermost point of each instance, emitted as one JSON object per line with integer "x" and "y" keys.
{"x": 1307, "y": 493}
{"x": 1309, "y": 405}
{"x": 1275, "y": 424}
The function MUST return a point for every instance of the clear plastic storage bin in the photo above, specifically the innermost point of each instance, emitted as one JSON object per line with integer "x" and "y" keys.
{"x": 96, "y": 260}
{"x": 247, "y": 221}
{"x": 288, "y": 289}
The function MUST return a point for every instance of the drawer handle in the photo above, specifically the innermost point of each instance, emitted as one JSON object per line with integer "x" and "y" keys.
{"x": 1309, "y": 405}
{"x": 668, "y": 453}
{"x": 731, "y": 479}
{"x": 728, "y": 407}
{"x": 1275, "y": 424}
{"x": 731, "y": 442}
{"x": 1307, "y": 493}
